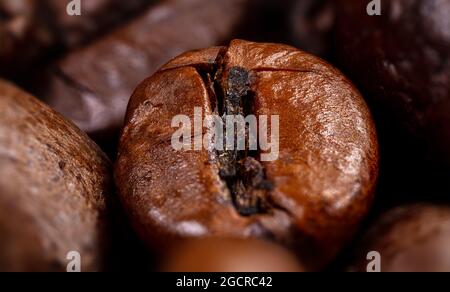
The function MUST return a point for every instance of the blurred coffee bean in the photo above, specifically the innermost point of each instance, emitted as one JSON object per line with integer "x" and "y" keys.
{"x": 229, "y": 255}
{"x": 55, "y": 186}
{"x": 414, "y": 238}
{"x": 401, "y": 59}
{"x": 97, "y": 16}
{"x": 33, "y": 29}
{"x": 92, "y": 86}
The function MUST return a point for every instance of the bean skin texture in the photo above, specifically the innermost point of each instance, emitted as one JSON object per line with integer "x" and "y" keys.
{"x": 55, "y": 185}
{"x": 314, "y": 196}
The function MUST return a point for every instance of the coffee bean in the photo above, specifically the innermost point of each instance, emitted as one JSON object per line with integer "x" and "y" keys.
{"x": 228, "y": 255}
{"x": 409, "y": 239}
{"x": 402, "y": 60}
{"x": 92, "y": 86}
{"x": 32, "y": 29}
{"x": 97, "y": 17}
{"x": 54, "y": 186}
{"x": 311, "y": 199}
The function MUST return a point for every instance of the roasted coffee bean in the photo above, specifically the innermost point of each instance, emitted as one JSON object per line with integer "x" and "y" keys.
{"x": 97, "y": 16}
{"x": 311, "y": 199}
{"x": 402, "y": 60}
{"x": 414, "y": 238}
{"x": 29, "y": 29}
{"x": 229, "y": 255}
{"x": 92, "y": 86}
{"x": 54, "y": 185}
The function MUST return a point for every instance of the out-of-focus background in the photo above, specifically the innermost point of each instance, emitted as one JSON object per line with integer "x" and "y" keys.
{"x": 86, "y": 67}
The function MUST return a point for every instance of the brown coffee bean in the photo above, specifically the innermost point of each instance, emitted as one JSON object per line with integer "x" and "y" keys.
{"x": 97, "y": 17}
{"x": 402, "y": 60}
{"x": 229, "y": 255}
{"x": 409, "y": 239}
{"x": 312, "y": 198}
{"x": 54, "y": 183}
{"x": 92, "y": 86}
{"x": 29, "y": 29}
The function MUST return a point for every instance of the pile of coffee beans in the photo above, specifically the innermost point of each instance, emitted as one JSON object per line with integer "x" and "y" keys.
{"x": 225, "y": 135}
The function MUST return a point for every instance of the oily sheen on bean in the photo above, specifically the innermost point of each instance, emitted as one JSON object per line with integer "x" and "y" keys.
{"x": 311, "y": 199}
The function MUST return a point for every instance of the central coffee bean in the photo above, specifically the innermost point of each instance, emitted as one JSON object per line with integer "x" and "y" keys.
{"x": 311, "y": 199}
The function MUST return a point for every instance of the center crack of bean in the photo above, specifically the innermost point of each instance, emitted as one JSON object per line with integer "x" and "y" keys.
{"x": 244, "y": 175}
